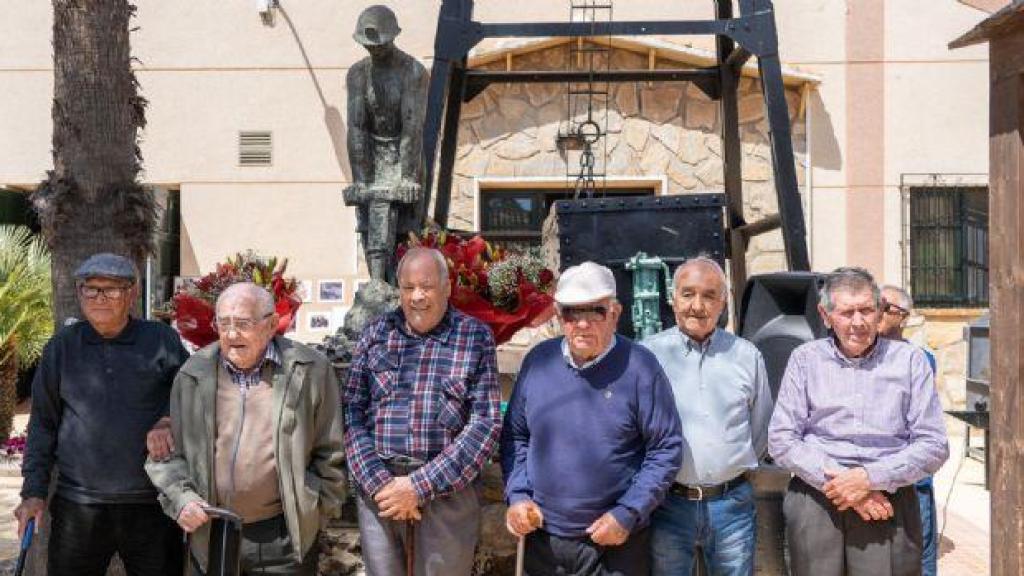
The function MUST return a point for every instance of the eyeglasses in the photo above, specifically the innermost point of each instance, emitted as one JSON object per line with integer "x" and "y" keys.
{"x": 238, "y": 324}
{"x": 895, "y": 310}
{"x": 581, "y": 313}
{"x": 108, "y": 292}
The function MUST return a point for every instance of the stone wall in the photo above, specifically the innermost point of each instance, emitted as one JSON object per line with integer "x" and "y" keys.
{"x": 942, "y": 331}
{"x": 668, "y": 130}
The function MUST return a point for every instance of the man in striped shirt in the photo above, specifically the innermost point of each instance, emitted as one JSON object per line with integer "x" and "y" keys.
{"x": 422, "y": 407}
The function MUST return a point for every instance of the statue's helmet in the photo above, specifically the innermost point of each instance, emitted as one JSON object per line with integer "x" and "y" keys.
{"x": 376, "y": 25}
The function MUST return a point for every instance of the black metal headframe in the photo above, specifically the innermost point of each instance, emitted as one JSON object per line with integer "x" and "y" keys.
{"x": 752, "y": 33}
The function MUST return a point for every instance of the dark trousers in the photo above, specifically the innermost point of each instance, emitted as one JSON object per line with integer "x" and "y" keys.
{"x": 826, "y": 542}
{"x": 84, "y": 538}
{"x": 267, "y": 549}
{"x": 550, "y": 555}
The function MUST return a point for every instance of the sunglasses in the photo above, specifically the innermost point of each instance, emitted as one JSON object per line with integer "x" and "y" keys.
{"x": 580, "y": 313}
{"x": 895, "y": 310}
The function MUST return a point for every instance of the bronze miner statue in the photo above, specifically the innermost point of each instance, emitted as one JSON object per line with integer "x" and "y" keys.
{"x": 386, "y": 98}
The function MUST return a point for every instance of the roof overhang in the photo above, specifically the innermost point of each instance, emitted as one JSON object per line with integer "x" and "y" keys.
{"x": 498, "y": 50}
{"x": 1005, "y": 21}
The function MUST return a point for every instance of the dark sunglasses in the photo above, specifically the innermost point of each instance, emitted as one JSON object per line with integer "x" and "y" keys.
{"x": 581, "y": 313}
{"x": 890, "y": 308}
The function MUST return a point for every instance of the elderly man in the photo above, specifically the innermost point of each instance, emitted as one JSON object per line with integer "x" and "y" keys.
{"x": 858, "y": 422}
{"x": 422, "y": 409}
{"x": 724, "y": 402}
{"x": 591, "y": 440}
{"x": 896, "y": 308}
{"x": 257, "y": 430}
{"x": 100, "y": 387}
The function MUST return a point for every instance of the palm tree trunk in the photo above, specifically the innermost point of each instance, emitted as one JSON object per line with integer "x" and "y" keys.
{"x": 91, "y": 201}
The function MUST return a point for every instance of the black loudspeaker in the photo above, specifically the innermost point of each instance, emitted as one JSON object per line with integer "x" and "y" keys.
{"x": 610, "y": 231}
{"x": 779, "y": 313}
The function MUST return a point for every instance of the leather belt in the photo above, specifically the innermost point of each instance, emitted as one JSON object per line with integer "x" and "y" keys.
{"x": 706, "y": 492}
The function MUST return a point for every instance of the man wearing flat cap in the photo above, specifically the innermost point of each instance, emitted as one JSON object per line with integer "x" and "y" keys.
{"x": 386, "y": 102}
{"x": 99, "y": 402}
{"x": 591, "y": 441}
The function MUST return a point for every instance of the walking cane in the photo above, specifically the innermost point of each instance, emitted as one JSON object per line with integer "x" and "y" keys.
{"x": 26, "y": 542}
{"x": 520, "y": 555}
{"x": 410, "y": 547}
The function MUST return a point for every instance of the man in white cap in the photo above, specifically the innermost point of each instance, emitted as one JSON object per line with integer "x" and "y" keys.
{"x": 591, "y": 441}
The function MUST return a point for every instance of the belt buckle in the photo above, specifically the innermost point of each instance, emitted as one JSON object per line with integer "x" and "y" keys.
{"x": 700, "y": 493}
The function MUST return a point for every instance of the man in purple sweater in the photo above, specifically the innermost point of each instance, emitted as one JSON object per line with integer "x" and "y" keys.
{"x": 858, "y": 422}
{"x": 591, "y": 440}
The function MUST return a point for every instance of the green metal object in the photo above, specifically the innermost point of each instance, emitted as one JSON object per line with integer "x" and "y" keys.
{"x": 646, "y": 308}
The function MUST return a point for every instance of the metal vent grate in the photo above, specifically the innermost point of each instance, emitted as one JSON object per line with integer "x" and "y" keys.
{"x": 255, "y": 148}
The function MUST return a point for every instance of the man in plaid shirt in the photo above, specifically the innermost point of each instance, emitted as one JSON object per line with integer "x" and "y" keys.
{"x": 422, "y": 409}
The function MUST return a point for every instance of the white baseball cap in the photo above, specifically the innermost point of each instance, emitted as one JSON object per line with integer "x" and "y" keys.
{"x": 586, "y": 282}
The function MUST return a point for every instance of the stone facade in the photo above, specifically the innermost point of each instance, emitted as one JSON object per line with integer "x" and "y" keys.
{"x": 659, "y": 130}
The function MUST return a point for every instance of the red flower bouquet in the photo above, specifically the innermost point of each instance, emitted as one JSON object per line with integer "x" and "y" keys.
{"x": 504, "y": 289}
{"x": 192, "y": 306}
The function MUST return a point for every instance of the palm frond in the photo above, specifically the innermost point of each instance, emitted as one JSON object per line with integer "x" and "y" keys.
{"x": 26, "y": 316}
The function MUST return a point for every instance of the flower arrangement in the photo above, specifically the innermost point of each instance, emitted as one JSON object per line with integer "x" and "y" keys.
{"x": 507, "y": 290}
{"x": 192, "y": 306}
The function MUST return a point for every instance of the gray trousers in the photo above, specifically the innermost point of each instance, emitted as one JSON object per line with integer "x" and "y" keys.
{"x": 445, "y": 537}
{"x": 826, "y": 542}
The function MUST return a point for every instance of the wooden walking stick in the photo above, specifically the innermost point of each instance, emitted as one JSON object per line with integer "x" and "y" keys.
{"x": 410, "y": 547}
{"x": 535, "y": 520}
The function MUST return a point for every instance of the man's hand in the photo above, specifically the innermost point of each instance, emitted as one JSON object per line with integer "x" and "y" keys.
{"x": 875, "y": 507}
{"x": 606, "y": 531}
{"x": 29, "y": 508}
{"x": 160, "y": 441}
{"x": 523, "y": 517}
{"x": 397, "y": 500}
{"x": 846, "y": 487}
{"x": 192, "y": 516}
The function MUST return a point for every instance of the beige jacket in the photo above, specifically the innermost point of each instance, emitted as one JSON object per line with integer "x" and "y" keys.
{"x": 307, "y": 442}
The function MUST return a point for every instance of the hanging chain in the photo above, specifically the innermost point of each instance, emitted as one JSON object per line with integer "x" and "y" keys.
{"x": 588, "y": 132}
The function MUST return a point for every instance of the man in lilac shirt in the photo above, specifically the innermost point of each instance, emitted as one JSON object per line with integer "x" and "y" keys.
{"x": 858, "y": 422}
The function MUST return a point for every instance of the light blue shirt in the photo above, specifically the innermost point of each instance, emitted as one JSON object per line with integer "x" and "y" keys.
{"x": 724, "y": 403}
{"x": 567, "y": 354}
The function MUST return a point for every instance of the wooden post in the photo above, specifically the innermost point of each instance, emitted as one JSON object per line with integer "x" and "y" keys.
{"x": 1006, "y": 270}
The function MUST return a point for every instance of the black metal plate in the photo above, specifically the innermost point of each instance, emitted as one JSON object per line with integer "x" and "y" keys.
{"x": 610, "y": 231}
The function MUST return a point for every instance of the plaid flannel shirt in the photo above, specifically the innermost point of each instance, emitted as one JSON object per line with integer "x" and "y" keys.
{"x": 434, "y": 398}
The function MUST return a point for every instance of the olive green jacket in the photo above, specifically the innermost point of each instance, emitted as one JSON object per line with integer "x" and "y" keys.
{"x": 307, "y": 442}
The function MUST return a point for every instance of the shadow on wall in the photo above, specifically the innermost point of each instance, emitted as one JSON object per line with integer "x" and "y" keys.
{"x": 332, "y": 116}
{"x": 826, "y": 152}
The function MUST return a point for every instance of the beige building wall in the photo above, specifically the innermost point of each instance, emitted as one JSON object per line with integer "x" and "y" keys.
{"x": 891, "y": 100}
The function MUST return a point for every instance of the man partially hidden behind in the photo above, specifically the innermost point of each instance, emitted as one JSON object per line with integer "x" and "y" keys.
{"x": 591, "y": 440}
{"x": 257, "y": 430}
{"x": 101, "y": 385}
{"x": 858, "y": 422}
{"x": 724, "y": 404}
{"x": 423, "y": 415}
{"x": 896, "y": 308}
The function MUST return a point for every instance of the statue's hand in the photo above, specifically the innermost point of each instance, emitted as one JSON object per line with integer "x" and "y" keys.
{"x": 355, "y": 194}
{"x": 407, "y": 192}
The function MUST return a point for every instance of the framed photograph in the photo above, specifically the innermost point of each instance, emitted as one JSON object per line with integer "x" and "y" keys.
{"x": 331, "y": 291}
{"x": 306, "y": 290}
{"x": 318, "y": 321}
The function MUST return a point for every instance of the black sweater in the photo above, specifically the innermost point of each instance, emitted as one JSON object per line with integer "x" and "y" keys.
{"x": 93, "y": 401}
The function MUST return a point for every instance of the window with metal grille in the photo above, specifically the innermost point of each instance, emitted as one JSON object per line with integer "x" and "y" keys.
{"x": 515, "y": 218}
{"x": 948, "y": 245}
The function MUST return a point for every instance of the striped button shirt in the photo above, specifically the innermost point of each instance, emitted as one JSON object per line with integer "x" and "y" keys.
{"x": 434, "y": 398}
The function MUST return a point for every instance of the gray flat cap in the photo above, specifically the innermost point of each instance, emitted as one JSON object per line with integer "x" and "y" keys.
{"x": 106, "y": 265}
